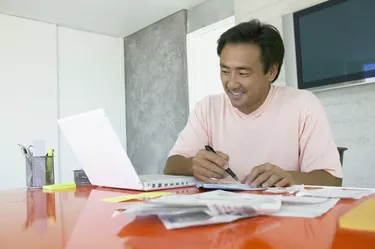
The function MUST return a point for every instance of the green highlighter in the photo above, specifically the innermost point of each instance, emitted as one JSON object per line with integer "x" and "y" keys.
{"x": 50, "y": 174}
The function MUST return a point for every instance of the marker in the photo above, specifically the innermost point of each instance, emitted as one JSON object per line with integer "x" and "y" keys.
{"x": 50, "y": 152}
{"x": 230, "y": 172}
{"x": 50, "y": 171}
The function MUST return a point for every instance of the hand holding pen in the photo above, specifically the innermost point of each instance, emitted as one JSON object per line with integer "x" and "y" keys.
{"x": 208, "y": 165}
{"x": 228, "y": 170}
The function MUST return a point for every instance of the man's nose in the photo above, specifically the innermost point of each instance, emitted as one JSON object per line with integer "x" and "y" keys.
{"x": 233, "y": 82}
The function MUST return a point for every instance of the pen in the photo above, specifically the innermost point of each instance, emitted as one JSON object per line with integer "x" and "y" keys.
{"x": 230, "y": 172}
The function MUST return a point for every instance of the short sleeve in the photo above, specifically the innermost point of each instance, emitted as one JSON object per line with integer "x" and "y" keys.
{"x": 195, "y": 135}
{"x": 318, "y": 150}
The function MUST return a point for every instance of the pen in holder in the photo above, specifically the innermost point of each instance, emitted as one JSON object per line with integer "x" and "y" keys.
{"x": 39, "y": 171}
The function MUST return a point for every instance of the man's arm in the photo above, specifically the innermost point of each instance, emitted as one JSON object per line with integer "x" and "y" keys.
{"x": 318, "y": 177}
{"x": 268, "y": 175}
{"x": 178, "y": 165}
{"x": 319, "y": 158}
{"x": 318, "y": 155}
{"x": 191, "y": 139}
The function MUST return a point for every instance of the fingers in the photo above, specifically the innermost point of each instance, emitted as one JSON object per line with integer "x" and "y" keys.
{"x": 283, "y": 183}
{"x": 255, "y": 173}
{"x": 205, "y": 179}
{"x": 208, "y": 165}
{"x": 217, "y": 158}
{"x": 261, "y": 179}
{"x": 224, "y": 156}
{"x": 268, "y": 175}
{"x": 226, "y": 159}
{"x": 272, "y": 181}
{"x": 216, "y": 171}
{"x": 208, "y": 173}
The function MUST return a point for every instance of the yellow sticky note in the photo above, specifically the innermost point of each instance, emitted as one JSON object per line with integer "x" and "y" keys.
{"x": 136, "y": 197}
{"x": 58, "y": 187}
{"x": 361, "y": 217}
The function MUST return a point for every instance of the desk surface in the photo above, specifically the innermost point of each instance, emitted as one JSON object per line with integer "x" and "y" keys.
{"x": 78, "y": 219}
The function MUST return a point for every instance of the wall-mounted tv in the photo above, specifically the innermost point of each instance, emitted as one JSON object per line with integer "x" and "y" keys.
{"x": 335, "y": 42}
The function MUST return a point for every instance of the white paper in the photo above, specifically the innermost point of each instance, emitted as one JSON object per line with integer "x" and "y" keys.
{"x": 39, "y": 148}
{"x": 214, "y": 207}
{"x": 144, "y": 209}
{"x": 336, "y": 193}
{"x": 213, "y": 198}
{"x": 312, "y": 210}
{"x": 197, "y": 219}
{"x": 243, "y": 197}
{"x": 181, "y": 204}
{"x": 289, "y": 190}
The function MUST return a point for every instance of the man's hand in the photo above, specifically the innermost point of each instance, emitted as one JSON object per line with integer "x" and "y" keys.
{"x": 207, "y": 165}
{"x": 268, "y": 175}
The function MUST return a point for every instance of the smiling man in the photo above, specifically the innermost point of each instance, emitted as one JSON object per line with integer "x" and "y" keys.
{"x": 268, "y": 135}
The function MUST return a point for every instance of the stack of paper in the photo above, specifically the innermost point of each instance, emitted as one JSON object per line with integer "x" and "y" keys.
{"x": 290, "y": 190}
{"x": 336, "y": 193}
{"x": 178, "y": 211}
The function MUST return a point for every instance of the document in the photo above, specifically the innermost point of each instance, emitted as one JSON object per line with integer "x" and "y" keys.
{"x": 228, "y": 186}
{"x": 336, "y": 193}
{"x": 290, "y": 190}
{"x": 204, "y": 202}
{"x": 219, "y": 206}
{"x": 230, "y": 196}
{"x": 306, "y": 210}
{"x": 145, "y": 209}
{"x": 196, "y": 219}
{"x": 39, "y": 148}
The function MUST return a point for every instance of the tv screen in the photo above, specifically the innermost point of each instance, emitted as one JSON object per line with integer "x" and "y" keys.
{"x": 335, "y": 42}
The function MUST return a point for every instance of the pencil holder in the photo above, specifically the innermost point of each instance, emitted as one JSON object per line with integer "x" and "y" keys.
{"x": 40, "y": 171}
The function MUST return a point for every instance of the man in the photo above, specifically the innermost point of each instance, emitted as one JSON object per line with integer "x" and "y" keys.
{"x": 268, "y": 135}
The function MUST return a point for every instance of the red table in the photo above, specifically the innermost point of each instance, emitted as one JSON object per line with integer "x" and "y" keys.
{"x": 79, "y": 220}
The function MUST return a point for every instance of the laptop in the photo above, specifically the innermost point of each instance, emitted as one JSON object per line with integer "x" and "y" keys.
{"x": 103, "y": 158}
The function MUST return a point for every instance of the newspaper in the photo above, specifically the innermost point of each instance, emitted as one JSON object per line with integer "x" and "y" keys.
{"x": 336, "y": 193}
{"x": 177, "y": 205}
{"x": 197, "y": 219}
{"x": 215, "y": 207}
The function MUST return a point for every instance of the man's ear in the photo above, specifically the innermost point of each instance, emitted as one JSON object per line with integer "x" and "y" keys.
{"x": 272, "y": 72}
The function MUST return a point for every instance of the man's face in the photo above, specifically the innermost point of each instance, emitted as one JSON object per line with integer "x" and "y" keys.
{"x": 243, "y": 77}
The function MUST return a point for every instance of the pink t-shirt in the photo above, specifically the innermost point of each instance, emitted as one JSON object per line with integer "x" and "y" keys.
{"x": 290, "y": 130}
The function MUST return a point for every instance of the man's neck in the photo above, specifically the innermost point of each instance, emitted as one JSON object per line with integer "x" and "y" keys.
{"x": 258, "y": 104}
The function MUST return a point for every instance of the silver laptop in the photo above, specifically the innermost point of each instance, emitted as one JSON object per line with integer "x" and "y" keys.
{"x": 104, "y": 160}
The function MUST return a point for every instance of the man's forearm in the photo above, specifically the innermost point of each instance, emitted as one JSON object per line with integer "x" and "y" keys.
{"x": 319, "y": 177}
{"x": 178, "y": 165}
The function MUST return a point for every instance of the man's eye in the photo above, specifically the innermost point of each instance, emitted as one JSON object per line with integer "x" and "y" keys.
{"x": 244, "y": 74}
{"x": 224, "y": 72}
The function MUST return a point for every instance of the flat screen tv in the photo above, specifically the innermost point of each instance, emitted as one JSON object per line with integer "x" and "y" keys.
{"x": 335, "y": 42}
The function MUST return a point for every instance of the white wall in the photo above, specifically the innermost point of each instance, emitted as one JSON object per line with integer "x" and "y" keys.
{"x": 90, "y": 76}
{"x": 47, "y": 72}
{"x": 350, "y": 109}
{"x": 203, "y": 61}
{"x": 28, "y": 92}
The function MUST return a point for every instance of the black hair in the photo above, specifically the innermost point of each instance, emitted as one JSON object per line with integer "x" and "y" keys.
{"x": 266, "y": 36}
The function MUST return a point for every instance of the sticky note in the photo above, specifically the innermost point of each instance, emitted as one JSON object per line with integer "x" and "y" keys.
{"x": 59, "y": 187}
{"x": 361, "y": 217}
{"x": 136, "y": 197}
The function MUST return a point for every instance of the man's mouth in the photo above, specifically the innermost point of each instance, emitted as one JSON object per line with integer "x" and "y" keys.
{"x": 236, "y": 94}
